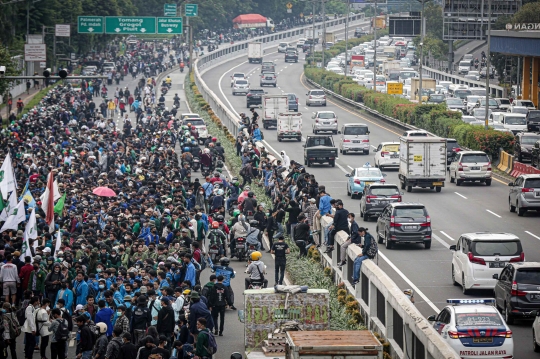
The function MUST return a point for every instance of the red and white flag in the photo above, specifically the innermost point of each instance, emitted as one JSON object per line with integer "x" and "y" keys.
{"x": 47, "y": 202}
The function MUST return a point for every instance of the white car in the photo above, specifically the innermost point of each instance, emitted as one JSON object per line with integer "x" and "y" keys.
{"x": 474, "y": 329}
{"x": 282, "y": 47}
{"x": 237, "y": 76}
{"x": 200, "y": 125}
{"x": 415, "y": 133}
{"x": 478, "y": 256}
{"x": 387, "y": 155}
{"x": 240, "y": 86}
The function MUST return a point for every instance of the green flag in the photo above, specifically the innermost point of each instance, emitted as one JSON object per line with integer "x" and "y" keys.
{"x": 2, "y": 204}
{"x": 59, "y": 206}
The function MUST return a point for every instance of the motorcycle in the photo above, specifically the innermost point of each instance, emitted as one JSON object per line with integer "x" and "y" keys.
{"x": 164, "y": 90}
{"x": 177, "y": 103}
{"x": 240, "y": 250}
{"x": 205, "y": 170}
{"x": 213, "y": 252}
{"x": 234, "y": 206}
{"x": 251, "y": 249}
{"x": 196, "y": 164}
{"x": 181, "y": 69}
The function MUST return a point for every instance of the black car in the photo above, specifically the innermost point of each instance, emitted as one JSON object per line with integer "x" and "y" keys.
{"x": 516, "y": 290}
{"x": 452, "y": 148}
{"x": 291, "y": 56}
{"x": 376, "y": 197}
{"x": 533, "y": 120}
{"x": 523, "y": 145}
{"x": 293, "y": 102}
{"x": 404, "y": 223}
{"x": 254, "y": 97}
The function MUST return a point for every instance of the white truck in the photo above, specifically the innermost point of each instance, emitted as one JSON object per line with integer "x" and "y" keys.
{"x": 422, "y": 162}
{"x": 309, "y": 35}
{"x": 390, "y": 65}
{"x": 255, "y": 52}
{"x": 289, "y": 126}
{"x": 272, "y": 106}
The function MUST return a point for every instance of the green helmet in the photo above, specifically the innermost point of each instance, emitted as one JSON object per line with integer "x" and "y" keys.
{"x": 236, "y": 212}
{"x": 192, "y": 138}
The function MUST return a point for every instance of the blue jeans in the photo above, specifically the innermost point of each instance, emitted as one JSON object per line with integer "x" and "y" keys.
{"x": 279, "y": 230}
{"x": 87, "y": 354}
{"x": 327, "y": 233}
{"x": 357, "y": 266}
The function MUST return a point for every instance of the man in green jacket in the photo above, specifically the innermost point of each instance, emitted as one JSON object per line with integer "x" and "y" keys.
{"x": 201, "y": 346}
{"x": 36, "y": 282}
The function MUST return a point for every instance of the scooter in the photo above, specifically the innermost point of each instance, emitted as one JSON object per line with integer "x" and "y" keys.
{"x": 213, "y": 252}
{"x": 240, "y": 249}
{"x": 205, "y": 170}
{"x": 196, "y": 164}
{"x": 234, "y": 206}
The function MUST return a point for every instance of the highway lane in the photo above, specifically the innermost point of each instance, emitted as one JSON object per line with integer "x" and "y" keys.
{"x": 465, "y": 209}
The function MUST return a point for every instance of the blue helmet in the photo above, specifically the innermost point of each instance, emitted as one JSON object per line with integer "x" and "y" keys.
{"x": 193, "y": 142}
{"x": 187, "y": 149}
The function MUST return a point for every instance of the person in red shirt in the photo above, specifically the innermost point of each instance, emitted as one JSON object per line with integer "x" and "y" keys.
{"x": 33, "y": 177}
{"x": 25, "y": 271}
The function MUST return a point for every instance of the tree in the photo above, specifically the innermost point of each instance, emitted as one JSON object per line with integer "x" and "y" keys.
{"x": 529, "y": 13}
{"x": 11, "y": 69}
{"x": 434, "y": 19}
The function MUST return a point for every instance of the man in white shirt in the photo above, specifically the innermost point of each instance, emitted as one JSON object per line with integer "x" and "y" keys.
{"x": 9, "y": 276}
{"x": 29, "y": 328}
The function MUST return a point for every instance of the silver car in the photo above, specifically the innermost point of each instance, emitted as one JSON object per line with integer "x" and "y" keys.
{"x": 240, "y": 86}
{"x": 470, "y": 166}
{"x": 268, "y": 79}
{"x": 325, "y": 121}
{"x": 316, "y": 97}
{"x": 524, "y": 194}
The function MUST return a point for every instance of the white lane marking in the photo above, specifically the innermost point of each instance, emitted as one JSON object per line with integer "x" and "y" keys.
{"x": 341, "y": 168}
{"x": 439, "y": 239}
{"x": 350, "y": 167}
{"x": 534, "y": 235}
{"x": 447, "y": 236}
{"x": 373, "y": 147}
{"x": 493, "y": 213}
{"x": 409, "y": 282}
{"x": 306, "y": 108}
{"x": 459, "y": 194}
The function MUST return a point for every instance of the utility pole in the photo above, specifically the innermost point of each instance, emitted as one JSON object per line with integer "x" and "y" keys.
{"x": 423, "y": 29}
{"x": 488, "y": 62}
{"x": 375, "y": 47}
{"x": 347, "y": 37}
{"x": 324, "y": 31}
{"x": 313, "y": 34}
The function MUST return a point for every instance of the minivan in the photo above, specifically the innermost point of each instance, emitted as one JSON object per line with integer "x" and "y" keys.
{"x": 282, "y": 47}
{"x": 470, "y": 166}
{"x": 402, "y": 222}
{"x": 354, "y": 137}
{"x": 533, "y": 121}
{"x": 515, "y": 122}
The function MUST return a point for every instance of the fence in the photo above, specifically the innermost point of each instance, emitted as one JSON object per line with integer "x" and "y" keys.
{"x": 506, "y": 162}
{"x": 385, "y": 308}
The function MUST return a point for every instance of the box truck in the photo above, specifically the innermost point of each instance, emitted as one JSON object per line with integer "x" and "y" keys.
{"x": 255, "y": 53}
{"x": 289, "y": 126}
{"x": 422, "y": 162}
{"x": 272, "y": 106}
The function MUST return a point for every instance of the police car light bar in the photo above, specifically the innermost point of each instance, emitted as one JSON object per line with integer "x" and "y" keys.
{"x": 471, "y": 301}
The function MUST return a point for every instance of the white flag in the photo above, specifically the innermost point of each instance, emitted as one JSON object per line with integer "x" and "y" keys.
{"x": 57, "y": 245}
{"x": 12, "y": 203}
{"x": 57, "y": 194}
{"x": 30, "y": 232}
{"x": 17, "y": 215}
{"x": 7, "y": 177}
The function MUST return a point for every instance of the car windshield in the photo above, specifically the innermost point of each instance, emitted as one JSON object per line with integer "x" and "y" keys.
{"x": 239, "y": 75}
{"x": 533, "y": 115}
{"x": 509, "y": 120}
{"x": 391, "y": 148}
{"x": 384, "y": 191}
{"x": 496, "y": 248}
{"x": 465, "y": 63}
{"x": 478, "y": 320}
{"x": 462, "y": 93}
{"x": 326, "y": 115}
{"x": 292, "y": 97}
{"x": 355, "y": 130}
{"x": 528, "y": 276}
{"x": 504, "y": 101}
{"x": 409, "y": 212}
{"x": 436, "y": 98}
{"x": 451, "y": 145}
{"x": 529, "y": 140}
{"x": 406, "y": 74}
{"x": 532, "y": 183}
{"x": 474, "y": 158}
{"x": 368, "y": 172}
{"x": 454, "y": 101}
{"x": 194, "y": 122}
{"x": 520, "y": 110}
{"x": 527, "y": 103}
{"x": 257, "y": 91}
{"x": 319, "y": 141}
{"x": 241, "y": 82}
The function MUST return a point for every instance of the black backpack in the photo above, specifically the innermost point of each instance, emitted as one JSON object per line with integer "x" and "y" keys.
{"x": 21, "y": 312}
{"x": 62, "y": 332}
{"x": 67, "y": 316}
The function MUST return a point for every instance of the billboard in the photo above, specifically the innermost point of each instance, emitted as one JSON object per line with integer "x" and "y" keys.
{"x": 404, "y": 26}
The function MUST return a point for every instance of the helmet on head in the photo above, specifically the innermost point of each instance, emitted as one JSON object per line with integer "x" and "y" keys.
{"x": 187, "y": 149}
{"x": 236, "y": 356}
{"x": 189, "y": 125}
{"x": 251, "y": 194}
{"x": 253, "y": 222}
{"x": 220, "y": 192}
{"x": 247, "y": 188}
{"x": 193, "y": 128}
{"x": 102, "y": 327}
{"x": 214, "y": 139}
{"x": 236, "y": 212}
{"x": 224, "y": 261}
{"x": 220, "y": 218}
{"x": 215, "y": 224}
{"x": 255, "y": 256}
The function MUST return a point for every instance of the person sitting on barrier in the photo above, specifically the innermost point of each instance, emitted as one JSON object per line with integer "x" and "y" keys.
{"x": 369, "y": 251}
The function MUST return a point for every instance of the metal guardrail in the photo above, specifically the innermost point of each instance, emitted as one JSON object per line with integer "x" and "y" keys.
{"x": 385, "y": 308}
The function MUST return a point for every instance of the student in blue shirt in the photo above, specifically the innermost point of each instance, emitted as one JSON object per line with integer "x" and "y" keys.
{"x": 190, "y": 270}
{"x": 105, "y": 315}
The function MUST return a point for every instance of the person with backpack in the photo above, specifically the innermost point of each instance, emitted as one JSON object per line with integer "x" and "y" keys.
{"x": 29, "y": 328}
{"x": 198, "y": 310}
{"x": 140, "y": 320}
{"x": 87, "y": 338}
{"x": 218, "y": 301}
{"x": 369, "y": 251}
{"x": 115, "y": 345}
{"x": 43, "y": 323}
{"x": 60, "y": 334}
{"x": 206, "y": 345}
{"x": 12, "y": 329}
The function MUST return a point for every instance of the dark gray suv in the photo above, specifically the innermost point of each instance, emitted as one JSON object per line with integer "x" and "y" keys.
{"x": 376, "y": 197}
{"x": 404, "y": 223}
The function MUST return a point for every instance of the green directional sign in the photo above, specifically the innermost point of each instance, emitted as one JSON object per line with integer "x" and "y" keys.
{"x": 130, "y": 25}
{"x": 169, "y": 10}
{"x": 169, "y": 25}
{"x": 192, "y": 10}
{"x": 90, "y": 24}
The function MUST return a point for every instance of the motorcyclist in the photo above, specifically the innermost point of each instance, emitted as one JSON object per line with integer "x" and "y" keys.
{"x": 227, "y": 273}
{"x": 187, "y": 156}
{"x": 206, "y": 158}
{"x": 218, "y": 200}
{"x": 176, "y": 100}
{"x": 162, "y": 99}
{"x": 239, "y": 230}
{"x": 244, "y": 194}
{"x": 182, "y": 66}
{"x": 217, "y": 237}
{"x": 234, "y": 191}
{"x": 219, "y": 149}
{"x": 249, "y": 204}
{"x": 252, "y": 237}
{"x": 168, "y": 81}
{"x": 256, "y": 270}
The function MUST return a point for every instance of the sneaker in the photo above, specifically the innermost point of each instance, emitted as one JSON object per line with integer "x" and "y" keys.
{"x": 341, "y": 264}
{"x": 220, "y": 334}
{"x": 355, "y": 282}
{"x": 233, "y": 307}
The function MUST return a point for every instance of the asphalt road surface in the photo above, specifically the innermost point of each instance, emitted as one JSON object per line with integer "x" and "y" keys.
{"x": 456, "y": 210}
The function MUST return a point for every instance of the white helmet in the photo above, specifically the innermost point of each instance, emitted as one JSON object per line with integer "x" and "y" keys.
{"x": 102, "y": 327}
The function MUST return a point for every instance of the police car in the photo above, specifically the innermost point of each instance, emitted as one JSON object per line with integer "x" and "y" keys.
{"x": 362, "y": 176}
{"x": 474, "y": 329}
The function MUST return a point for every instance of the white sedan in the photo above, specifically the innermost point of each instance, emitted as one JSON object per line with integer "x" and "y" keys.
{"x": 387, "y": 155}
{"x": 237, "y": 76}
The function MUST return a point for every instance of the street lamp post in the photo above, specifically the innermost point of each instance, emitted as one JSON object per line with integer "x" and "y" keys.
{"x": 488, "y": 62}
{"x": 324, "y": 30}
{"x": 422, "y": 30}
{"x": 347, "y": 36}
{"x": 313, "y": 34}
{"x": 375, "y": 46}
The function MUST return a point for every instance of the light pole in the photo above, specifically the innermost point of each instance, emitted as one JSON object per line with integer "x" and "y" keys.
{"x": 324, "y": 30}
{"x": 375, "y": 46}
{"x": 422, "y": 31}
{"x": 486, "y": 118}
{"x": 347, "y": 37}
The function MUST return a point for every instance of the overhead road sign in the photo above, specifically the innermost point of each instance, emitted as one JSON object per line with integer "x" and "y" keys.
{"x": 130, "y": 25}
{"x": 169, "y": 25}
{"x": 169, "y": 10}
{"x": 192, "y": 10}
{"x": 90, "y": 24}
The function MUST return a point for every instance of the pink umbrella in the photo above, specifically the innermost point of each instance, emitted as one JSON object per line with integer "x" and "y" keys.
{"x": 104, "y": 192}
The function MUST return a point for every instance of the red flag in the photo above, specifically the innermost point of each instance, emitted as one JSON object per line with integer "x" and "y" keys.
{"x": 49, "y": 195}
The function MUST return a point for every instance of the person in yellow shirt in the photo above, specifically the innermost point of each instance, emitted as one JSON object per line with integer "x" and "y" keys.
{"x": 112, "y": 108}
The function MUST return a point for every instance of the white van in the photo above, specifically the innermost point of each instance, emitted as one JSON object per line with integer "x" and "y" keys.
{"x": 515, "y": 122}
{"x": 354, "y": 137}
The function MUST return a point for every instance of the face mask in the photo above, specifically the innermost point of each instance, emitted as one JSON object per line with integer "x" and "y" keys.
{"x": 48, "y": 308}
{"x": 3, "y": 310}
{"x": 98, "y": 270}
{"x": 101, "y": 286}
{"x": 137, "y": 267}
{"x": 119, "y": 314}
{"x": 349, "y": 220}
{"x": 113, "y": 255}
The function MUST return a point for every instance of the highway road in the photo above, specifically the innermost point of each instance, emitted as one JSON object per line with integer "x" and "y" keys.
{"x": 456, "y": 210}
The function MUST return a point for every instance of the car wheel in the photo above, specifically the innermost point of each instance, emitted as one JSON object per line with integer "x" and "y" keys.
{"x": 438, "y": 189}
{"x": 379, "y": 238}
{"x": 324, "y": 104}
{"x": 520, "y": 210}
{"x": 512, "y": 208}
{"x": 459, "y": 182}
{"x": 452, "y": 180}
{"x": 345, "y": 152}
{"x": 366, "y": 217}
{"x": 454, "y": 282}
{"x": 536, "y": 347}
{"x": 333, "y": 163}
{"x": 307, "y": 104}
{"x": 334, "y": 132}
{"x": 366, "y": 152}
{"x": 409, "y": 188}
{"x": 388, "y": 243}
{"x": 463, "y": 287}
{"x": 488, "y": 182}
{"x": 305, "y": 161}
{"x": 520, "y": 158}
{"x": 308, "y": 163}
{"x": 279, "y": 139}
{"x": 348, "y": 192}
{"x": 402, "y": 185}
{"x": 508, "y": 317}
{"x": 427, "y": 245}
